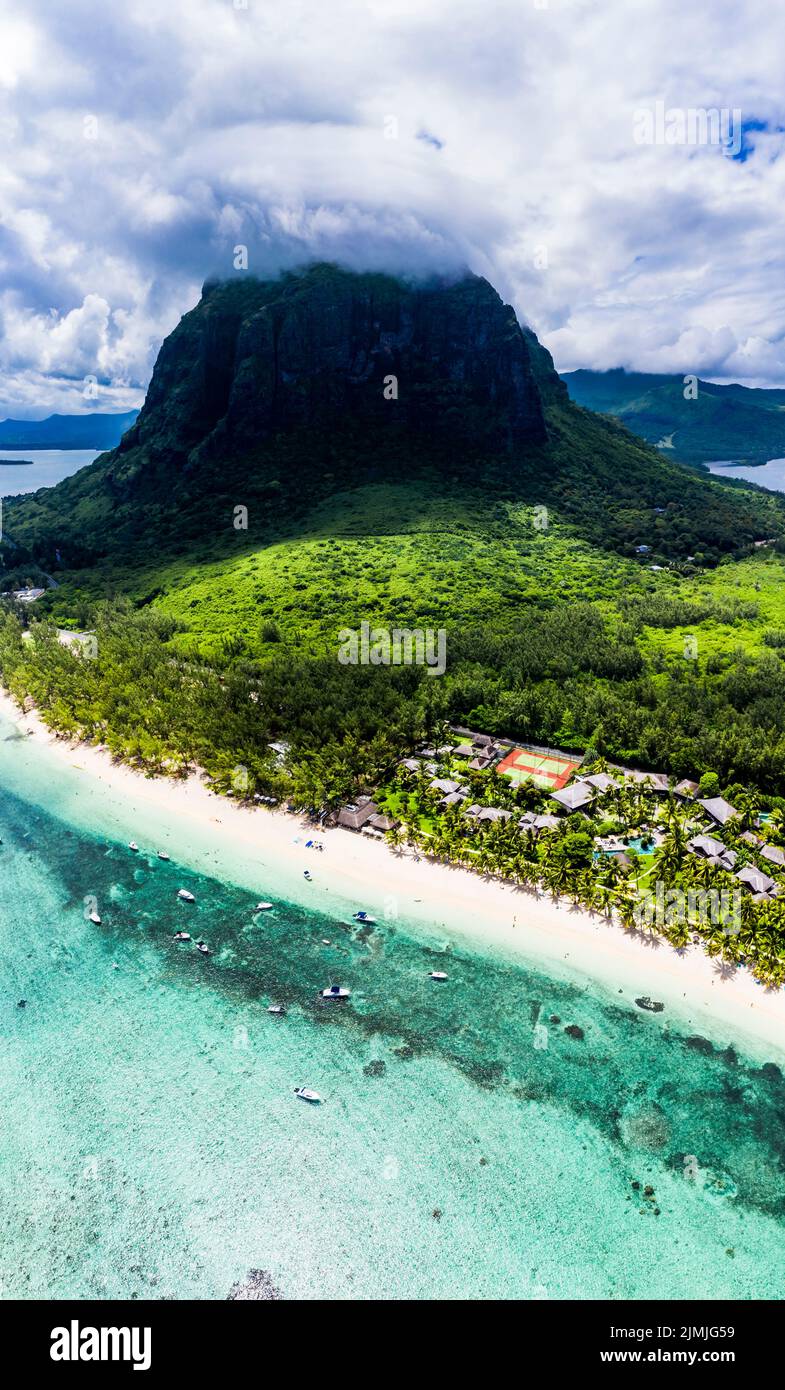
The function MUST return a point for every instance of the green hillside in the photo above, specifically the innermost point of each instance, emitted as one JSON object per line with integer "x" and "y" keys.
{"x": 719, "y": 423}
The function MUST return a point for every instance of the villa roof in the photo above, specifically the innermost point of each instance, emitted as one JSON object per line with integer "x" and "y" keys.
{"x": 546, "y": 822}
{"x": 444, "y": 784}
{"x": 411, "y": 764}
{"x": 453, "y": 799}
{"x": 490, "y": 813}
{"x": 480, "y": 764}
{"x": 601, "y": 780}
{"x": 354, "y": 815}
{"x": 463, "y": 750}
{"x": 686, "y": 788}
{"x": 574, "y": 797}
{"x": 718, "y": 808}
{"x": 754, "y": 879}
{"x": 774, "y": 854}
{"x": 657, "y": 781}
{"x": 530, "y": 821}
{"x": 706, "y": 844}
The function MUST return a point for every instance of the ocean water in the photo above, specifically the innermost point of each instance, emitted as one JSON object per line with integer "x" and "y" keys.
{"x": 49, "y": 466}
{"x": 151, "y": 1144}
{"x": 770, "y": 475}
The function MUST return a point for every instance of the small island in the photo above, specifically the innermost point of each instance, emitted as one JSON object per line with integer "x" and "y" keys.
{"x": 16, "y": 463}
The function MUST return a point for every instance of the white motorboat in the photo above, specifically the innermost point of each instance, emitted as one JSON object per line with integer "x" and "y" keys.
{"x": 185, "y": 895}
{"x": 203, "y": 947}
{"x": 134, "y": 846}
{"x": 182, "y": 936}
{"x": 162, "y": 854}
{"x": 363, "y": 917}
{"x": 336, "y": 992}
{"x": 438, "y": 975}
{"x": 276, "y": 1009}
{"x": 95, "y": 918}
{"x": 262, "y": 907}
{"x": 303, "y": 1093}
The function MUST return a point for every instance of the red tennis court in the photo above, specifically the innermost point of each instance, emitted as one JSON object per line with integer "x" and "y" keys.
{"x": 545, "y": 768}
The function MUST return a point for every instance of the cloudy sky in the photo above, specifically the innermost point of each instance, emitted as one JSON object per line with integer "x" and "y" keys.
{"x": 143, "y": 142}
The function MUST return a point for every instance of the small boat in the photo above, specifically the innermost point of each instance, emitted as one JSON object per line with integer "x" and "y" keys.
{"x": 276, "y": 1009}
{"x": 185, "y": 895}
{"x": 336, "y": 992}
{"x": 303, "y": 1093}
{"x": 307, "y": 874}
{"x": 134, "y": 846}
{"x": 162, "y": 854}
{"x": 363, "y": 917}
{"x": 262, "y": 907}
{"x": 438, "y": 975}
{"x": 182, "y": 936}
{"x": 203, "y": 947}
{"x": 95, "y": 918}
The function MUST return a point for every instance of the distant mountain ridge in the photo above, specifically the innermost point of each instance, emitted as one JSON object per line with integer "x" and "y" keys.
{"x": 94, "y": 431}
{"x": 740, "y": 423}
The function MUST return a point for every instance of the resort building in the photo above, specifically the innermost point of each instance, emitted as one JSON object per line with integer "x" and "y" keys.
{"x": 575, "y": 797}
{"x": 686, "y": 789}
{"x": 774, "y": 854}
{"x": 378, "y": 824}
{"x": 411, "y": 764}
{"x": 601, "y": 781}
{"x": 355, "y": 815}
{"x": 444, "y": 785}
{"x": 453, "y": 799}
{"x": 719, "y": 809}
{"x": 655, "y": 781}
{"x": 757, "y": 882}
{"x": 713, "y": 850}
{"x": 529, "y": 821}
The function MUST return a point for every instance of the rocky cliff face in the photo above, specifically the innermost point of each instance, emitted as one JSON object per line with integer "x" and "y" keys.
{"x": 312, "y": 351}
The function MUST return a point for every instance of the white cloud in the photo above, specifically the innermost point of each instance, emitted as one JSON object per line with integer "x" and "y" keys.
{"x": 144, "y": 143}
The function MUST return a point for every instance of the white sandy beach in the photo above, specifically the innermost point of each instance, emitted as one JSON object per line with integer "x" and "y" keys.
{"x": 355, "y": 871}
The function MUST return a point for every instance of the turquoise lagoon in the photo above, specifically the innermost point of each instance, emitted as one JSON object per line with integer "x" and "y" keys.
{"x": 151, "y": 1145}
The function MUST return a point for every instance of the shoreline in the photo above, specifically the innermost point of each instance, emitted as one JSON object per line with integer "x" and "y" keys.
{"x": 243, "y": 844}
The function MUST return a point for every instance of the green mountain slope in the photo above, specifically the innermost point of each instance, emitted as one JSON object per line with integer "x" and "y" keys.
{"x": 721, "y": 422}
{"x": 271, "y": 397}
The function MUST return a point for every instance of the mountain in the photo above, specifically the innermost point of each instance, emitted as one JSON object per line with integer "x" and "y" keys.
{"x": 94, "y": 431}
{"x": 278, "y": 396}
{"x": 277, "y": 489}
{"x": 721, "y": 422}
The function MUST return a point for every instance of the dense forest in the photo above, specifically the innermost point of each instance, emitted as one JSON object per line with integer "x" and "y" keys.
{"x": 567, "y": 677}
